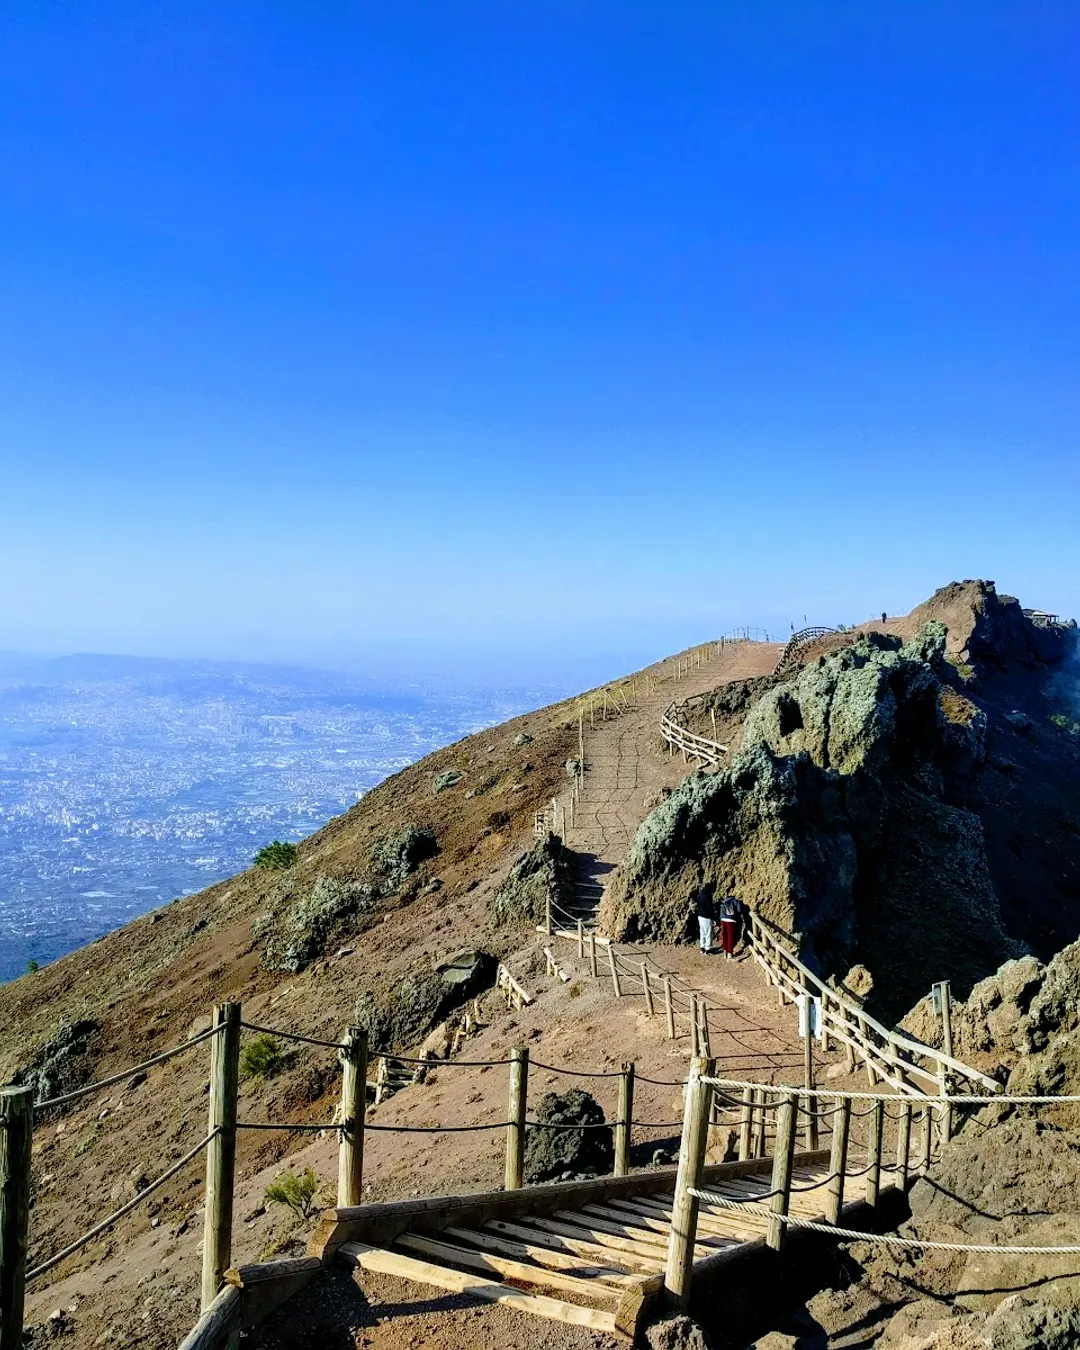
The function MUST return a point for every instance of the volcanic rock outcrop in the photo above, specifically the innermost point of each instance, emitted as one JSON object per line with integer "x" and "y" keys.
{"x": 842, "y": 819}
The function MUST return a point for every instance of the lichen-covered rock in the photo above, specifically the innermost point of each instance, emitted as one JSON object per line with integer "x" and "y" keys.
{"x": 405, "y": 1014}
{"x": 297, "y": 928}
{"x": 841, "y": 815}
{"x": 397, "y": 855}
{"x": 543, "y": 872}
{"x": 579, "y": 1152}
{"x": 448, "y": 778}
{"x": 62, "y": 1064}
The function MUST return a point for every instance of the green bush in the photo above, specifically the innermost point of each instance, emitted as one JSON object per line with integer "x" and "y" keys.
{"x": 1059, "y": 720}
{"x": 32, "y": 967}
{"x": 299, "y": 1193}
{"x": 276, "y": 857}
{"x": 262, "y": 1058}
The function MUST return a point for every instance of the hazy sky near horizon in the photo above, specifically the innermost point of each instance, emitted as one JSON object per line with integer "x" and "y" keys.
{"x": 328, "y": 329}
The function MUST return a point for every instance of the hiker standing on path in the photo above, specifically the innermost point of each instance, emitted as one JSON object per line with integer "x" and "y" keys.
{"x": 706, "y": 912}
{"x": 729, "y": 920}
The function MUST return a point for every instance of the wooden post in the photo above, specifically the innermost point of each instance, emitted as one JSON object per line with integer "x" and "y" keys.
{"x": 592, "y": 956}
{"x": 580, "y": 940}
{"x": 547, "y": 913}
{"x": 808, "y": 1074}
{"x": 783, "y": 1159}
{"x": 646, "y": 987}
{"x": 221, "y": 1151}
{"x": 614, "y": 970}
{"x": 581, "y": 745}
{"x": 695, "y": 1133}
{"x": 16, "y": 1135}
{"x": 945, "y": 995}
{"x": 875, "y": 1124}
{"x": 669, "y": 1008}
{"x": 695, "y": 1029}
{"x": 841, "y": 1131}
{"x": 757, "y": 1143}
{"x": 927, "y": 1139}
{"x": 746, "y": 1120}
{"x": 704, "y": 1039}
{"x": 515, "y": 1129}
{"x": 354, "y": 1065}
{"x": 622, "y": 1125}
{"x": 903, "y": 1144}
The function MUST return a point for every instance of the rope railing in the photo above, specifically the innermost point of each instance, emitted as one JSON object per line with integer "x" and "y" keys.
{"x": 115, "y": 1078}
{"x": 118, "y": 1214}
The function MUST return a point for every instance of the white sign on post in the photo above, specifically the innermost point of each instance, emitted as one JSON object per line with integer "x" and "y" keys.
{"x": 810, "y": 1019}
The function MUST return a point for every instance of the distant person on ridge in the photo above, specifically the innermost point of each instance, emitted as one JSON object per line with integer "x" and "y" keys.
{"x": 729, "y": 920}
{"x": 706, "y": 912}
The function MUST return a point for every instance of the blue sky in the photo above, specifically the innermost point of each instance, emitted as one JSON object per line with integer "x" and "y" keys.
{"x": 333, "y": 330}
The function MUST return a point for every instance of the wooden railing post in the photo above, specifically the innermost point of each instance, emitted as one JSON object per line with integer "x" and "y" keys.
{"x": 221, "y": 1151}
{"x": 695, "y": 1133}
{"x": 841, "y": 1127}
{"x": 808, "y": 1072}
{"x": 903, "y": 1145}
{"x": 515, "y": 1128}
{"x": 354, "y": 1065}
{"x": 646, "y": 988}
{"x": 616, "y": 987}
{"x": 875, "y": 1131}
{"x": 16, "y": 1135}
{"x": 945, "y": 997}
{"x": 592, "y": 957}
{"x": 927, "y": 1140}
{"x": 669, "y": 1008}
{"x": 622, "y": 1124}
{"x": 580, "y": 940}
{"x": 783, "y": 1161}
{"x": 746, "y": 1120}
{"x": 760, "y": 1123}
{"x": 704, "y": 1039}
{"x": 547, "y": 913}
{"x": 695, "y": 1029}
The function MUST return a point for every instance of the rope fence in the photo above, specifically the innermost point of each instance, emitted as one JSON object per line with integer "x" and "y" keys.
{"x": 115, "y": 1078}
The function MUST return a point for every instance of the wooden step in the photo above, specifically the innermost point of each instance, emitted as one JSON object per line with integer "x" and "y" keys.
{"x": 615, "y": 1245}
{"x": 574, "y": 1242}
{"x": 544, "y": 1256}
{"x": 383, "y": 1262}
{"x": 521, "y": 1272}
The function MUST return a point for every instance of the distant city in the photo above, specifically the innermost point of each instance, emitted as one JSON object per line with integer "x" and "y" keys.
{"x": 125, "y": 783}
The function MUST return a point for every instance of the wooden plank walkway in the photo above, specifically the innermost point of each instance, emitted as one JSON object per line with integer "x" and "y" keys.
{"x": 598, "y": 1265}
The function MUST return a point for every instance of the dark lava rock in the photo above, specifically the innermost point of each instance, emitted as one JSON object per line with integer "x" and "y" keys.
{"x": 582, "y": 1152}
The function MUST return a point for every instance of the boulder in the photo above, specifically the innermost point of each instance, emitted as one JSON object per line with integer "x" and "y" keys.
{"x": 544, "y": 871}
{"x": 568, "y": 1152}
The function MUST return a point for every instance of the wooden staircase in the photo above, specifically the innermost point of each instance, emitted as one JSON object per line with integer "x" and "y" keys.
{"x": 590, "y": 1254}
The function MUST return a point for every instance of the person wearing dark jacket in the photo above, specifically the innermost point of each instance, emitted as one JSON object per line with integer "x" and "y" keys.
{"x": 706, "y": 913}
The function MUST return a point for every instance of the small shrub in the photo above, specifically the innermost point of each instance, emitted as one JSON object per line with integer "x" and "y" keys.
{"x": 575, "y": 990}
{"x": 1060, "y": 720}
{"x": 276, "y": 857}
{"x": 299, "y": 1193}
{"x": 262, "y": 1058}
{"x": 32, "y": 967}
{"x": 86, "y": 1144}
